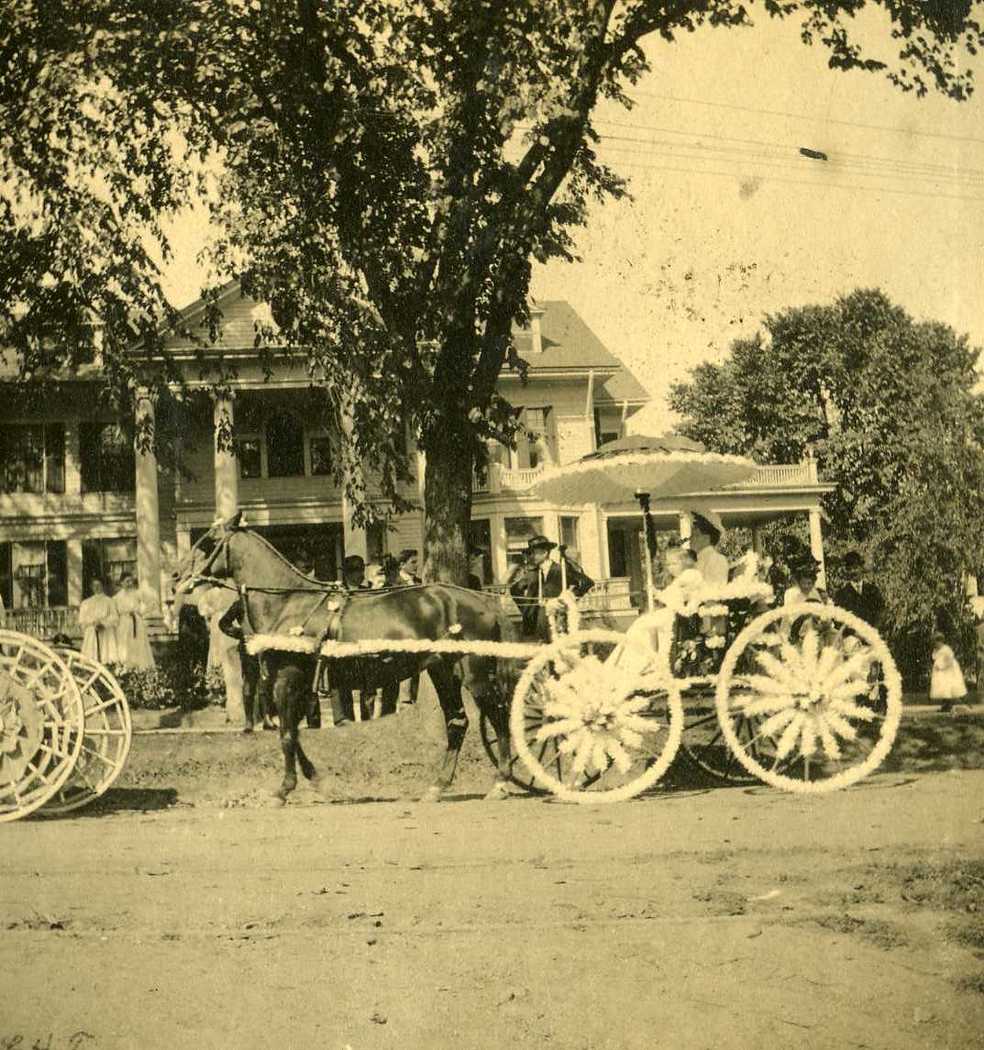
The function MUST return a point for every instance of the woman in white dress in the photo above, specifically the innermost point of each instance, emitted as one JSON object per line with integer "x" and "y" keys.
{"x": 98, "y": 617}
{"x": 131, "y": 631}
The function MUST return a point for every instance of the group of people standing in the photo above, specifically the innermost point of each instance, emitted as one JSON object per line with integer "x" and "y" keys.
{"x": 114, "y": 630}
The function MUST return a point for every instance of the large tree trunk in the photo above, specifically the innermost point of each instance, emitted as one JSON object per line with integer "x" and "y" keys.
{"x": 447, "y": 500}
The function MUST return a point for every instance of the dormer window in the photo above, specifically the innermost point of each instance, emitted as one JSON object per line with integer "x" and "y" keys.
{"x": 536, "y": 331}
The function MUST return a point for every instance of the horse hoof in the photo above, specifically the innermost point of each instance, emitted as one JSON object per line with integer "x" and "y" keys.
{"x": 432, "y": 794}
{"x": 497, "y": 792}
{"x": 278, "y": 801}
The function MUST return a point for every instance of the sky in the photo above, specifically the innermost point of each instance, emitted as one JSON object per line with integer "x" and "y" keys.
{"x": 729, "y": 222}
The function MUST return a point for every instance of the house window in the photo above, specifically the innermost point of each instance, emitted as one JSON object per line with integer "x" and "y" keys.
{"x": 34, "y": 575}
{"x": 32, "y": 458}
{"x": 603, "y": 431}
{"x": 285, "y": 446}
{"x": 519, "y": 531}
{"x": 107, "y": 459}
{"x": 536, "y": 445}
{"x": 107, "y": 560}
{"x": 250, "y": 455}
{"x": 321, "y": 456}
{"x": 569, "y": 537}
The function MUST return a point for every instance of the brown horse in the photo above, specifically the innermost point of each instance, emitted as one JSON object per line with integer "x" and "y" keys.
{"x": 290, "y": 613}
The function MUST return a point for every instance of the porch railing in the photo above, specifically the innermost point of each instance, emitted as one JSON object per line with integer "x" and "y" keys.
{"x": 43, "y": 623}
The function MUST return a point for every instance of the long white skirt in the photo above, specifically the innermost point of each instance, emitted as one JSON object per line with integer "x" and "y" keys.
{"x": 132, "y": 643}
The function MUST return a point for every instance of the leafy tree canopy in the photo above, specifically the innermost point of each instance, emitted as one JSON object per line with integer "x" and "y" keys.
{"x": 382, "y": 172}
{"x": 888, "y": 405}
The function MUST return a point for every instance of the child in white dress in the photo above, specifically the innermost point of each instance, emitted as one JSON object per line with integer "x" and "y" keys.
{"x": 655, "y": 629}
{"x": 946, "y": 681}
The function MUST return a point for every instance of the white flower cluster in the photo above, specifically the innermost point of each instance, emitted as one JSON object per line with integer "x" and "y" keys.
{"x": 710, "y": 600}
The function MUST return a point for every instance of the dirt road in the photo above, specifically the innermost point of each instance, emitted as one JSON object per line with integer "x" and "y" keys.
{"x": 722, "y": 919}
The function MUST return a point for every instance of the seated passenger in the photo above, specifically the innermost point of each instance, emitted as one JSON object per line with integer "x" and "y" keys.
{"x": 655, "y": 628}
{"x": 804, "y": 589}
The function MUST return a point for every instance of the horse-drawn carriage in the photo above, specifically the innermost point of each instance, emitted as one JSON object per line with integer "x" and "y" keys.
{"x": 64, "y": 728}
{"x": 806, "y": 698}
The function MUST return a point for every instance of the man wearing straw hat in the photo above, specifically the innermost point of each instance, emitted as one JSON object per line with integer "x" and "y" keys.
{"x": 540, "y": 578}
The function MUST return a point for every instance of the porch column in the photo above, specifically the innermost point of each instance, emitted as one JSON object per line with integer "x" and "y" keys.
{"x": 148, "y": 509}
{"x": 686, "y": 525}
{"x": 226, "y": 463}
{"x": 816, "y": 546}
{"x": 500, "y": 556}
{"x": 73, "y": 553}
{"x": 422, "y": 508}
{"x": 756, "y": 540}
{"x": 604, "y": 552}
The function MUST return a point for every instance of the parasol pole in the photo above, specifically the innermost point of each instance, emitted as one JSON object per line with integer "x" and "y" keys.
{"x": 649, "y": 531}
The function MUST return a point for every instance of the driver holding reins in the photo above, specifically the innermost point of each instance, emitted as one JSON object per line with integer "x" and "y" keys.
{"x": 540, "y": 577}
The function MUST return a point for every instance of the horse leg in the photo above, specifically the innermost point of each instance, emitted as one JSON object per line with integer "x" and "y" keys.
{"x": 448, "y": 690}
{"x": 288, "y": 693}
{"x": 480, "y": 680}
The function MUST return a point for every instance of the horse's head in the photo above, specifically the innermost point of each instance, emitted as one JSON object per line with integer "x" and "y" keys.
{"x": 209, "y": 556}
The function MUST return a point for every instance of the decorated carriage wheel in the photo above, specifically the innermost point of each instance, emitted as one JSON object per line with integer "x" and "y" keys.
{"x": 813, "y": 711}
{"x": 704, "y": 744}
{"x": 518, "y": 773}
{"x": 106, "y": 739}
{"x": 595, "y": 718}
{"x": 42, "y": 720}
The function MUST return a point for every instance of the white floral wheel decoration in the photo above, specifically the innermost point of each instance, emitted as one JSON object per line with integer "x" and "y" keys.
{"x": 825, "y": 707}
{"x": 41, "y": 724}
{"x": 595, "y": 718}
{"x": 106, "y": 740}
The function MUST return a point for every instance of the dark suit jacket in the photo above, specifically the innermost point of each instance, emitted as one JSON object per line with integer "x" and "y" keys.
{"x": 526, "y": 588}
{"x": 868, "y": 605}
{"x": 232, "y": 622}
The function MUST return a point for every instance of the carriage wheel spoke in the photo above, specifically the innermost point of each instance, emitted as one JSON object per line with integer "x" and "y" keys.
{"x": 38, "y": 771}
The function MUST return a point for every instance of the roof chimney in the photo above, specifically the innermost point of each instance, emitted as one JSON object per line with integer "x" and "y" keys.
{"x": 536, "y": 312}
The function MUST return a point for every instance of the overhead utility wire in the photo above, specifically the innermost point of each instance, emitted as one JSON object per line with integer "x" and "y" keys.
{"x": 787, "y": 158}
{"x": 815, "y": 183}
{"x": 814, "y": 120}
{"x": 873, "y": 158}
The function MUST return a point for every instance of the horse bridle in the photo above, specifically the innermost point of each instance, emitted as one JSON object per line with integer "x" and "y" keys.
{"x": 205, "y": 574}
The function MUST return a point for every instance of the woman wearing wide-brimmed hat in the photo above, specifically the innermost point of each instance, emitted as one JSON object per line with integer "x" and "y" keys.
{"x": 539, "y": 578}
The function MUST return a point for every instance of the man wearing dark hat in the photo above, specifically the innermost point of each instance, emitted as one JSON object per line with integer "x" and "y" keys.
{"x": 540, "y": 578}
{"x": 857, "y": 595}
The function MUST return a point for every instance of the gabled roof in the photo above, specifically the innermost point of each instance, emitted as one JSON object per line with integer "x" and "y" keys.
{"x": 569, "y": 345}
{"x": 619, "y": 388}
{"x": 567, "y": 341}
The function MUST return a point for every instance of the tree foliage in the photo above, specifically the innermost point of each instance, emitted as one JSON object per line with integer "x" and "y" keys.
{"x": 889, "y": 408}
{"x": 382, "y": 172}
